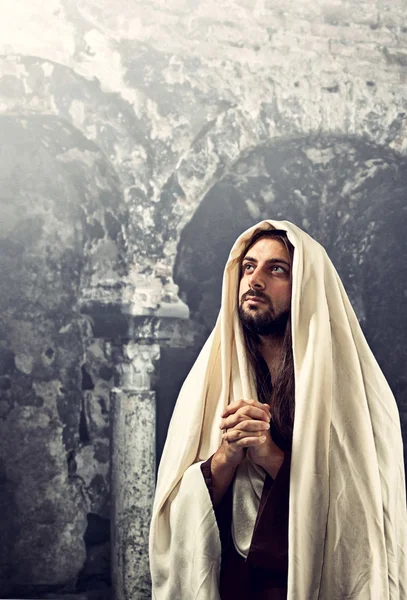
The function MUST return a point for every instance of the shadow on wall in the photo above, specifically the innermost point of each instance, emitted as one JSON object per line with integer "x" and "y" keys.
{"x": 57, "y": 198}
{"x": 347, "y": 193}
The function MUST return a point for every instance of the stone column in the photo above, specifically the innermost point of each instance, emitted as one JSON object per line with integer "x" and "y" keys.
{"x": 133, "y": 334}
{"x": 132, "y": 468}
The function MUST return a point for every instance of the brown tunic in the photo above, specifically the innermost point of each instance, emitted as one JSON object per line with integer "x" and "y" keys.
{"x": 263, "y": 575}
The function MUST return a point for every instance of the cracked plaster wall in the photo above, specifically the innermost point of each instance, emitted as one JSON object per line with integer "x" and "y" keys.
{"x": 128, "y": 131}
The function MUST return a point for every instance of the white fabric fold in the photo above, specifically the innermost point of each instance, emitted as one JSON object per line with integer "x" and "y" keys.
{"x": 347, "y": 513}
{"x": 247, "y": 490}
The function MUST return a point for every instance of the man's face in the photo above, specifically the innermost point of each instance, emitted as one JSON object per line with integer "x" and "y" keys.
{"x": 265, "y": 288}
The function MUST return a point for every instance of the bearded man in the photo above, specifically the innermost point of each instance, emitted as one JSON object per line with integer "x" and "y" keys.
{"x": 253, "y": 503}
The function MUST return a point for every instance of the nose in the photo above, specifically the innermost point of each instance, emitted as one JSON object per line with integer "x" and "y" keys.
{"x": 256, "y": 281}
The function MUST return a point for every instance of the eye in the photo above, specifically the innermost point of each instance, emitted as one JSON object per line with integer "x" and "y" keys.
{"x": 247, "y": 267}
{"x": 278, "y": 269}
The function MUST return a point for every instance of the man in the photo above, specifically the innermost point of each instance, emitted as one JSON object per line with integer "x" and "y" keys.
{"x": 252, "y": 503}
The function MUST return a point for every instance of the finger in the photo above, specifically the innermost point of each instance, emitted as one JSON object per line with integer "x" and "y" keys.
{"x": 251, "y": 425}
{"x": 244, "y": 439}
{"x": 242, "y": 404}
{"x": 242, "y": 414}
{"x": 232, "y": 435}
{"x": 234, "y": 406}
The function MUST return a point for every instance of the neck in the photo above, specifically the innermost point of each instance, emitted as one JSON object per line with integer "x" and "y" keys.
{"x": 270, "y": 347}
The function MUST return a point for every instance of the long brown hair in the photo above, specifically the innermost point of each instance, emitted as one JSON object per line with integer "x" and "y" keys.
{"x": 280, "y": 393}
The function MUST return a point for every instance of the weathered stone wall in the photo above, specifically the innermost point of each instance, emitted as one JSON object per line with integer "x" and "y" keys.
{"x": 54, "y": 442}
{"x": 137, "y": 140}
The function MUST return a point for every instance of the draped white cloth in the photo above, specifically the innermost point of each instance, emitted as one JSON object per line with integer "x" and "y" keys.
{"x": 347, "y": 512}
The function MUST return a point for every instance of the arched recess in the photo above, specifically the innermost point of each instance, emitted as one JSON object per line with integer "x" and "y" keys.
{"x": 236, "y": 131}
{"x": 60, "y": 230}
{"x": 348, "y": 193}
{"x": 34, "y": 85}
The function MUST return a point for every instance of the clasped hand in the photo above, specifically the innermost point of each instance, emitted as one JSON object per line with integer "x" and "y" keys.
{"x": 246, "y": 426}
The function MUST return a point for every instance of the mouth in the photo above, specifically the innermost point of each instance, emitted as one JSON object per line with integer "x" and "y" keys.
{"x": 255, "y": 300}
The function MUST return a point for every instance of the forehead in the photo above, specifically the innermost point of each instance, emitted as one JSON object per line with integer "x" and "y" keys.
{"x": 266, "y": 248}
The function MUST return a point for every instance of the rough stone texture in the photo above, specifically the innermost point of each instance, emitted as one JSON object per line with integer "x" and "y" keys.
{"x": 47, "y": 519}
{"x": 91, "y": 461}
{"x": 137, "y": 140}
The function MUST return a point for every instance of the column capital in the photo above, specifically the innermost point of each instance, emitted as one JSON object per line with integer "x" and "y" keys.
{"x": 136, "y": 307}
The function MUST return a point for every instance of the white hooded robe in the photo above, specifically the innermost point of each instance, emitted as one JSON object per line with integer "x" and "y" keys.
{"x": 347, "y": 511}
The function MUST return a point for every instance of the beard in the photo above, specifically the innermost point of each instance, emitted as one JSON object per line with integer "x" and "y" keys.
{"x": 264, "y": 321}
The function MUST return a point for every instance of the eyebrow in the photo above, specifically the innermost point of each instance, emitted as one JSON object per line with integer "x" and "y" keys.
{"x": 270, "y": 261}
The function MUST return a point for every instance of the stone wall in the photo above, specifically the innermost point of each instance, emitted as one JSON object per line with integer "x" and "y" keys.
{"x": 55, "y": 379}
{"x": 137, "y": 140}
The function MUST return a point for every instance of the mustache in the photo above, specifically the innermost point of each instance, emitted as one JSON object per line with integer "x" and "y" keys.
{"x": 255, "y": 294}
